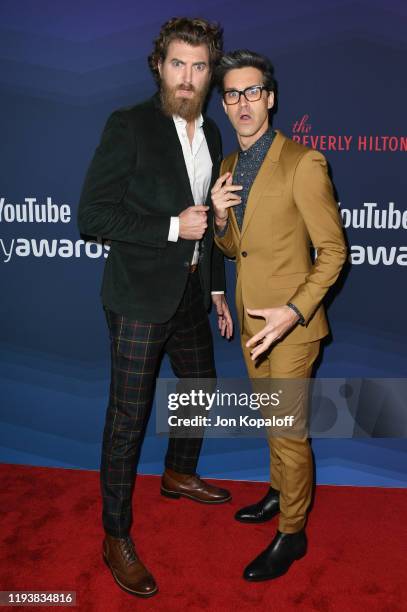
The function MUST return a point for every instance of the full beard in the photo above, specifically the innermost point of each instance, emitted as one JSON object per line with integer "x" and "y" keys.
{"x": 187, "y": 108}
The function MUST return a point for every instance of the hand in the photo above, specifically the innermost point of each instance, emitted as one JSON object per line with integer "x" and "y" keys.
{"x": 278, "y": 322}
{"x": 223, "y": 197}
{"x": 225, "y": 322}
{"x": 193, "y": 222}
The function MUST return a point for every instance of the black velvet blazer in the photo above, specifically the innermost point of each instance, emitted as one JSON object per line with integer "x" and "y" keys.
{"x": 136, "y": 181}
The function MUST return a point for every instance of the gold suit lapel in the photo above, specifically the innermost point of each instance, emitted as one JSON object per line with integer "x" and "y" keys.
{"x": 263, "y": 178}
{"x": 229, "y": 166}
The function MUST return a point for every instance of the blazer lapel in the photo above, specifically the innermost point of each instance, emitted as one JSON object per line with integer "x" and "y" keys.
{"x": 229, "y": 166}
{"x": 169, "y": 136}
{"x": 263, "y": 178}
{"x": 213, "y": 147}
{"x": 215, "y": 154}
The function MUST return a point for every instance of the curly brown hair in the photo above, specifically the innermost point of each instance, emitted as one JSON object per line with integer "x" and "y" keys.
{"x": 192, "y": 31}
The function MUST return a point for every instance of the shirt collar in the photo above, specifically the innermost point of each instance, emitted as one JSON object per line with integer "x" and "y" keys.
{"x": 199, "y": 121}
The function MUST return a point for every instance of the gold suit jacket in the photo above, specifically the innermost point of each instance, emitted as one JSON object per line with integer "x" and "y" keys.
{"x": 290, "y": 207}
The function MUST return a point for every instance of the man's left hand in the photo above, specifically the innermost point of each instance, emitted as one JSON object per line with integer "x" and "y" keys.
{"x": 278, "y": 322}
{"x": 225, "y": 322}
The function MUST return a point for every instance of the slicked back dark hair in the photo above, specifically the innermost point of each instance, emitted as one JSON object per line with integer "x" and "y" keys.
{"x": 195, "y": 32}
{"x": 243, "y": 58}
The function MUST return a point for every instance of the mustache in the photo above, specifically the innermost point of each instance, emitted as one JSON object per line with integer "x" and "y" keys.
{"x": 185, "y": 87}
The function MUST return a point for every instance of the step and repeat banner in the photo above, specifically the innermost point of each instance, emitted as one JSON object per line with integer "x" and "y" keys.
{"x": 64, "y": 67}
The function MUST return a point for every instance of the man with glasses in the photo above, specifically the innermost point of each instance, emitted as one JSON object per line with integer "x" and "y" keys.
{"x": 272, "y": 200}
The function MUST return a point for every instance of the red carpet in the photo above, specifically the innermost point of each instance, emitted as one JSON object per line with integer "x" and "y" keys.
{"x": 51, "y": 540}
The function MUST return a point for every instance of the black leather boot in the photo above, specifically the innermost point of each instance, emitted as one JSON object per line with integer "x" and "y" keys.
{"x": 261, "y": 512}
{"x": 278, "y": 557}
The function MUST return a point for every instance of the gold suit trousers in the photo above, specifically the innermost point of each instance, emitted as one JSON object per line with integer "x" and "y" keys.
{"x": 290, "y": 457}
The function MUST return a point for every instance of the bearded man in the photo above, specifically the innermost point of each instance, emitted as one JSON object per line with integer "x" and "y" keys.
{"x": 148, "y": 191}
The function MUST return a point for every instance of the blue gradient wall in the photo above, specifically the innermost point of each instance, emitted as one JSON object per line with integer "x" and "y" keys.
{"x": 64, "y": 67}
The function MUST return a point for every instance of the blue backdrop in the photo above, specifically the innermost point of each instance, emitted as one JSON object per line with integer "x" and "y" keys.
{"x": 64, "y": 67}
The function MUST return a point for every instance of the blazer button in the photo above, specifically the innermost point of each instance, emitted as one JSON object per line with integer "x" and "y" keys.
{"x": 244, "y": 253}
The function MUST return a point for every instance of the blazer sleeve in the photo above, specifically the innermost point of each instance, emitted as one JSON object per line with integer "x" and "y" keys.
{"x": 102, "y": 209}
{"x": 313, "y": 196}
{"x": 218, "y": 280}
{"x": 225, "y": 241}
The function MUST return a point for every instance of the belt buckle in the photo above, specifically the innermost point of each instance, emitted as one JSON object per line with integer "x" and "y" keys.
{"x": 192, "y": 268}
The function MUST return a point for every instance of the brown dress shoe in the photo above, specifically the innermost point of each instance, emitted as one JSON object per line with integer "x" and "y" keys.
{"x": 127, "y": 569}
{"x": 175, "y": 485}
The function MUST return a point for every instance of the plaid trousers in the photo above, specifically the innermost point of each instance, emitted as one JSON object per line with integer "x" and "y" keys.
{"x": 136, "y": 351}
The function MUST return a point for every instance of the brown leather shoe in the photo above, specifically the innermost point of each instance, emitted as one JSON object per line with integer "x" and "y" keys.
{"x": 175, "y": 485}
{"x": 127, "y": 569}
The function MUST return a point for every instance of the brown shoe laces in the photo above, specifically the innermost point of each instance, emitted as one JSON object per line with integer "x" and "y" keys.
{"x": 127, "y": 549}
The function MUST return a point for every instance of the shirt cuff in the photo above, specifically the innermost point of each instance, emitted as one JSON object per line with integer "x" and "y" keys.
{"x": 217, "y": 293}
{"x": 301, "y": 320}
{"x": 221, "y": 232}
{"x": 173, "y": 234}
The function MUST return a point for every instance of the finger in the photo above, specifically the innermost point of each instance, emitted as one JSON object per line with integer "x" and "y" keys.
{"x": 198, "y": 221}
{"x": 220, "y": 322}
{"x": 225, "y": 323}
{"x": 256, "y": 312}
{"x": 200, "y": 224}
{"x": 199, "y": 208}
{"x": 220, "y": 182}
{"x": 259, "y": 350}
{"x": 230, "y": 188}
{"x": 229, "y": 327}
{"x": 232, "y": 198}
{"x": 232, "y": 201}
{"x": 229, "y": 204}
{"x": 228, "y": 318}
{"x": 256, "y": 338}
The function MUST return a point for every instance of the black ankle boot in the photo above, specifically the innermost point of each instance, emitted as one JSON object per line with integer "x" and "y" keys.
{"x": 261, "y": 512}
{"x": 278, "y": 557}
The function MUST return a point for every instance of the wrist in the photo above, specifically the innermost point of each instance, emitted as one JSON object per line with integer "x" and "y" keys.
{"x": 220, "y": 221}
{"x": 300, "y": 319}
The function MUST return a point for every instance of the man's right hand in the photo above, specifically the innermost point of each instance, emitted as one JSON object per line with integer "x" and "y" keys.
{"x": 223, "y": 197}
{"x": 193, "y": 222}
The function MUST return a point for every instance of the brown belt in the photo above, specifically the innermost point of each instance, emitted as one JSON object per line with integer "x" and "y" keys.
{"x": 193, "y": 268}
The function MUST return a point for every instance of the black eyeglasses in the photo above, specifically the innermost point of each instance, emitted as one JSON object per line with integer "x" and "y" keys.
{"x": 252, "y": 94}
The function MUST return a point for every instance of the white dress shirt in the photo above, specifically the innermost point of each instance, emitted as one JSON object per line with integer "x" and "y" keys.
{"x": 198, "y": 162}
{"x": 199, "y": 167}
